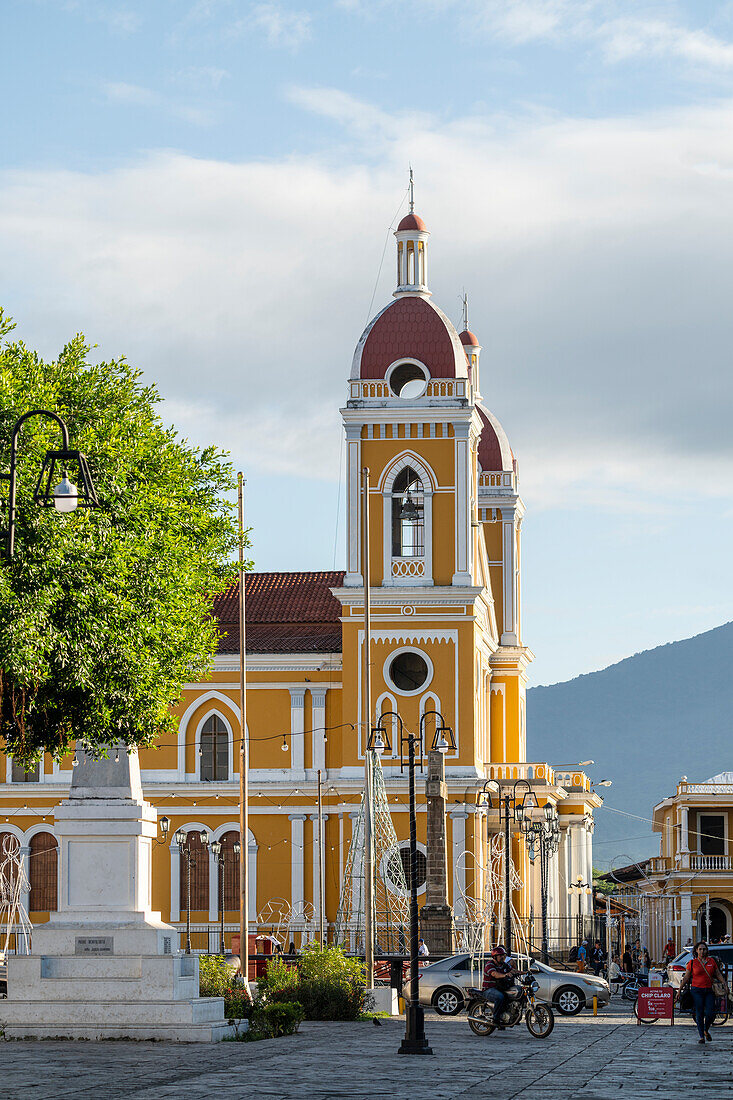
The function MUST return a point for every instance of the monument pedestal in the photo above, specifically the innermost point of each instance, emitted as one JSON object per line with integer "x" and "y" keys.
{"x": 105, "y": 966}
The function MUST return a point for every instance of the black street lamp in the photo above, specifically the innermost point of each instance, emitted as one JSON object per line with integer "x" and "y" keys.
{"x": 183, "y": 840}
{"x": 576, "y": 889}
{"x": 64, "y": 497}
{"x": 414, "y": 1041}
{"x": 219, "y": 854}
{"x": 512, "y": 809}
{"x": 545, "y": 835}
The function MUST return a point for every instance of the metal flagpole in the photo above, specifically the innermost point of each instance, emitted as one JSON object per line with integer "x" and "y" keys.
{"x": 367, "y": 722}
{"x": 243, "y": 777}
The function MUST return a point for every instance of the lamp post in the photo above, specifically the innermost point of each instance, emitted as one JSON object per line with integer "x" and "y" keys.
{"x": 510, "y": 809}
{"x": 64, "y": 497}
{"x": 577, "y": 889}
{"x": 545, "y": 835}
{"x": 183, "y": 840}
{"x": 219, "y": 854}
{"x": 414, "y": 1041}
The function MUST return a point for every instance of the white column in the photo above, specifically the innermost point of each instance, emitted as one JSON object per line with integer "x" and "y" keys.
{"x": 314, "y": 865}
{"x": 462, "y": 517}
{"x": 318, "y": 722}
{"x": 297, "y": 883}
{"x": 588, "y": 852}
{"x": 458, "y": 829}
{"x": 175, "y": 883}
{"x": 686, "y": 928}
{"x": 213, "y": 888}
{"x": 685, "y": 830}
{"x": 341, "y": 853}
{"x": 353, "y": 463}
{"x": 297, "y": 730}
{"x": 509, "y": 634}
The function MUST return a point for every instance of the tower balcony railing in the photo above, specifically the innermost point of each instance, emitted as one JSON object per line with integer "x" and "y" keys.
{"x": 690, "y": 861}
{"x": 705, "y": 788}
{"x": 502, "y": 481}
{"x": 376, "y": 389}
{"x": 711, "y": 863}
{"x": 510, "y": 773}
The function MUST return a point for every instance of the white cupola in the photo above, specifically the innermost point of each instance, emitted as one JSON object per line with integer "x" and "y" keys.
{"x": 412, "y": 253}
{"x": 472, "y": 349}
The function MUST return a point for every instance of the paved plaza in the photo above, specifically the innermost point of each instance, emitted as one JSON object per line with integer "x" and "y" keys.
{"x": 595, "y": 1059}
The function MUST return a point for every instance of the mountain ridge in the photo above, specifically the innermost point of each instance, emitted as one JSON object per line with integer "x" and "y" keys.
{"x": 645, "y": 720}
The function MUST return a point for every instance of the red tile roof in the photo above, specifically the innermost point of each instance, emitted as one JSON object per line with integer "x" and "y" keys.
{"x": 285, "y": 613}
{"x": 411, "y": 221}
{"x": 491, "y": 454}
{"x": 409, "y": 328}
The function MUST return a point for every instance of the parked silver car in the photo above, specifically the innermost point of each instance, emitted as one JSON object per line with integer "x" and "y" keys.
{"x": 443, "y": 985}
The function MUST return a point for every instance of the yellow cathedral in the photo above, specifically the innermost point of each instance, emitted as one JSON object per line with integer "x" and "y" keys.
{"x": 445, "y": 561}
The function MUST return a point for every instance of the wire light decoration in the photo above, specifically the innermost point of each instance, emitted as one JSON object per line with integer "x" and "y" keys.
{"x": 13, "y": 885}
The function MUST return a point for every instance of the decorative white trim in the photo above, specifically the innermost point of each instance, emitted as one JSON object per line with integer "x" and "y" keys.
{"x": 183, "y": 727}
{"x": 297, "y": 731}
{"x": 318, "y": 720}
{"x": 297, "y": 853}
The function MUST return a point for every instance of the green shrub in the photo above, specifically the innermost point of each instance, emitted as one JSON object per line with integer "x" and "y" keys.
{"x": 237, "y": 1003}
{"x": 327, "y": 984}
{"x": 270, "y": 1021}
{"x": 215, "y": 976}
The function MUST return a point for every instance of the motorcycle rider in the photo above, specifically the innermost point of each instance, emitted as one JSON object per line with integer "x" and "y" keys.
{"x": 499, "y": 975}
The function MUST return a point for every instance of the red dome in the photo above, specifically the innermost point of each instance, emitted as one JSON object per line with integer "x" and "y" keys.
{"x": 410, "y": 328}
{"x": 412, "y": 221}
{"x": 468, "y": 338}
{"x": 494, "y": 452}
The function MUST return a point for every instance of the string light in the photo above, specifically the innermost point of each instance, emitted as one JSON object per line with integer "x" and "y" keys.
{"x": 284, "y": 745}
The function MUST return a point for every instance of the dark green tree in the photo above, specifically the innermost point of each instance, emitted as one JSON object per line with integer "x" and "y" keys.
{"x": 105, "y": 613}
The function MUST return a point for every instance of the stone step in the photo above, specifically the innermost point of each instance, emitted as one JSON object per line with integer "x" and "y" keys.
{"x": 171, "y": 1032}
{"x": 112, "y": 1012}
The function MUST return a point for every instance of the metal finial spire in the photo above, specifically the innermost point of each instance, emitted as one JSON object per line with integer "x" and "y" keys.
{"x": 412, "y": 193}
{"x": 465, "y": 311}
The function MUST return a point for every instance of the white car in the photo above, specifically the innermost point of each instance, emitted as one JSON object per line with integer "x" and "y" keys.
{"x": 443, "y": 985}
{"x": 723, "y": 952}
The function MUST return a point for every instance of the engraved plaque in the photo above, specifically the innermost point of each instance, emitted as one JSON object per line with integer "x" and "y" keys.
{"x": 94, "y": 945}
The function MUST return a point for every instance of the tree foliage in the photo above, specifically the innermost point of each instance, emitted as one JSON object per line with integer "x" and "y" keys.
{"x": 105, "y": 613}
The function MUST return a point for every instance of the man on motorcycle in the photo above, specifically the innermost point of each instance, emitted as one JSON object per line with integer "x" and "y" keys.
{"x": 499, "y": 975}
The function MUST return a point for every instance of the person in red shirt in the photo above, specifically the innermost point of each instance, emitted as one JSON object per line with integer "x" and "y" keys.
{"x": 702, "y": 969}
{"x": 669, "y": 951}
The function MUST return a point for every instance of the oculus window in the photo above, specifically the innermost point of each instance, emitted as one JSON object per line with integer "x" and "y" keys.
{"x": 408, "y": 671}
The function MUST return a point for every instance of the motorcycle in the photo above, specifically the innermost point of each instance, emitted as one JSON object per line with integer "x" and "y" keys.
{"x": 518, "y": 1002}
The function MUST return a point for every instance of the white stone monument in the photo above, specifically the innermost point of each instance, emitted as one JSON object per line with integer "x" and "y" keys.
{"x": 105, "y": 966}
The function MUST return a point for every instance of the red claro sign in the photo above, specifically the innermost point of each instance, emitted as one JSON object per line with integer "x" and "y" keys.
{"x": 657, "y": 1003}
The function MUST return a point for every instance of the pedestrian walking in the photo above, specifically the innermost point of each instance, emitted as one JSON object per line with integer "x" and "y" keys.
{"x": 615, "y": 973}
{"x": 582, "y": 958}
{"x": 702, "y": 971}
{"x": 598, "y": 957}
{"x": 627, "y": 963}
{"x": 422, "y": 950}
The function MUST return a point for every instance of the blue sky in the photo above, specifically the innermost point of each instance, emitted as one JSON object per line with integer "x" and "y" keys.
{"x": 207, "y": 188}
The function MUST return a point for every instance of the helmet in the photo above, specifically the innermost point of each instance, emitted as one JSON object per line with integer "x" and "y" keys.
{"x": 498, "y": 950}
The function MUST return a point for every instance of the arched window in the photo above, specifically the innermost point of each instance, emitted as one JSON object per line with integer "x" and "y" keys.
{"x": 231, "y": 870}
{"x": 408, "y": 515}
{"x": 214, "y": 750}
{"x": 43, "y": 873}
{"x": 199, "y": 874}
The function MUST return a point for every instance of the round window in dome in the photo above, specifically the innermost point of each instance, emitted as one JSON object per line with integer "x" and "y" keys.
{"x": 408, "y": 380}
{"x": 408, "y": 671}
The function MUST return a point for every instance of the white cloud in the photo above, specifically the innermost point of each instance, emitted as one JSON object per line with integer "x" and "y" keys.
{"x": 135, "y": 95}
{"x": 281, "y": 26}
{"x": 595, "y": 253}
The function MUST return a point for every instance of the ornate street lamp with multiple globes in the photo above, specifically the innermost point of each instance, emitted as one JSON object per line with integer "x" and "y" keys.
{"x": 219, "y": 853}
{"x": 443, "y": 741}
{"x": 183, "y": 840}
{"x": 542, "y": 834}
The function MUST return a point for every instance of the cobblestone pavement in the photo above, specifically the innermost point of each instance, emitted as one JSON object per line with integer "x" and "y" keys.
{"x": 595, "y": 1059}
